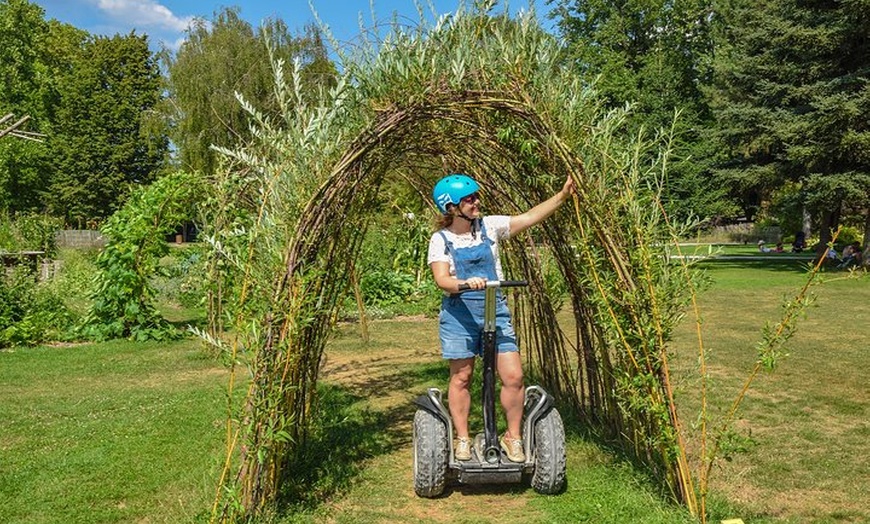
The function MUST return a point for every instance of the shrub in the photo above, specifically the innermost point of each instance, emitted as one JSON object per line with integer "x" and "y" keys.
{"x": 74, "y": 279}
{"x": 123, "y": 294}
{"x": 385, "y": 286}
{"x": 849, "y": 234}
{"x": 29, "y": 232}
{"x": 31, "y": 313}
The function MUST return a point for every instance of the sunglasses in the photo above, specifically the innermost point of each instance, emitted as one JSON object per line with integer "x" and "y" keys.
{"x": 470, "y": 199}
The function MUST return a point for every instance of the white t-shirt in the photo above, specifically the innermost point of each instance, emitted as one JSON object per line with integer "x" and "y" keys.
{"x": 498, "y": 227}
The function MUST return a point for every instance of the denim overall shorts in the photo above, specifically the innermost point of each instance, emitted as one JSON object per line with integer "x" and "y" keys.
{"x": 461, "y": 318}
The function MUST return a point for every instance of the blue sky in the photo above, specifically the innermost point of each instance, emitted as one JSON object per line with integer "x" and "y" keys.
{"x": 165, "y": 20}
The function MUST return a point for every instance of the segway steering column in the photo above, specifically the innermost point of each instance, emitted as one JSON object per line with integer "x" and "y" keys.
{"x": 491, "y": 451}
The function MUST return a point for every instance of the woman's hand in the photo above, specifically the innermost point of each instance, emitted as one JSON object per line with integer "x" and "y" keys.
{"x": 476, "y": 283}
{"x": 568, "y": 189}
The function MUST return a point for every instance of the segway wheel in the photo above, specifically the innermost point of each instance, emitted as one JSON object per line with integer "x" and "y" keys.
{"x": 549, "y": 476}
{"x": 430, "y": 454}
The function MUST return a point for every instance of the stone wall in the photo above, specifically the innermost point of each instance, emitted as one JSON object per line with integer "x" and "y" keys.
{"x": 79, "y": 239}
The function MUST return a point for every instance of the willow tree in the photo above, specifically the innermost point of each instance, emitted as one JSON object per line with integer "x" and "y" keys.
{"x": 222, "y": 57}
{"x": 477, "y": 93}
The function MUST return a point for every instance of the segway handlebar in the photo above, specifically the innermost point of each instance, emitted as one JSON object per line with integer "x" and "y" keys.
{"x": 496, "y": 284}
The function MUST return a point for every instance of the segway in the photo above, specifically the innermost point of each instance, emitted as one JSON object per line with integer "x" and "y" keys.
{"x": 543, "y": 433}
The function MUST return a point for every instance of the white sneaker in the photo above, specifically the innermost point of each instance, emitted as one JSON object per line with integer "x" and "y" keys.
{"x": 462, "y": 448}
{"x": 513, "y": 447}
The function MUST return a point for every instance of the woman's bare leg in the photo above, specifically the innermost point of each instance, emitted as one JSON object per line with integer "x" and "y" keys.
{"x": 459, "y": 394}
{"x": 510, "y": 370}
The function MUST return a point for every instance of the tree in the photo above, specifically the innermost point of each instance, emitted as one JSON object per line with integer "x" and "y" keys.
{"x": 654, "y": 54}
{"x": 90, "y": 96}
{"x": 100, "y": 143}
{"x": 23, "y": 34}
{"x": 791, "y": 98}
{"x": 32, "y": 53}
{"x": 227, "y": 57}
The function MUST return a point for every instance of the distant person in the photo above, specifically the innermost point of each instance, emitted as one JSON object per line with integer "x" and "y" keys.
{"x": 851, "y": 256}
{"x": 800, "y": 242}
{"x": 778, "y": 248}
{"x": 763, "y": 248}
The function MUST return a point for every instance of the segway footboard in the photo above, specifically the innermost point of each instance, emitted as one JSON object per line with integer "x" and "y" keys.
{"x": 476, "y": 471}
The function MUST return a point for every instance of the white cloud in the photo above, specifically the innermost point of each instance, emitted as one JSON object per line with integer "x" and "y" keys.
{"x": 144, "y": 13}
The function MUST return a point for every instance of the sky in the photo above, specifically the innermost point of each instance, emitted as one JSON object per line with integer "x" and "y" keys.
{"x": 164, "y": 21}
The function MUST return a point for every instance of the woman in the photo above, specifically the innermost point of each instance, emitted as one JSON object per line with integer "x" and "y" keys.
{"x": 465, "y": 251}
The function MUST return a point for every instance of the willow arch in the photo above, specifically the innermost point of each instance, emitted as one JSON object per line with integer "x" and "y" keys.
{"x": 517, "y": 129}
{"x": 341, "y": 197}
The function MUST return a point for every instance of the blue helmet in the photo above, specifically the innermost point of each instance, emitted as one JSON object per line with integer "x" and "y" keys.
{"x": 451, "y": 189}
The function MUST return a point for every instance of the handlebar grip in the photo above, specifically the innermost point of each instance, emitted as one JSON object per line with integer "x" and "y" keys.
{"x": 496, "y": 283}
{"x": 513, "y": 283}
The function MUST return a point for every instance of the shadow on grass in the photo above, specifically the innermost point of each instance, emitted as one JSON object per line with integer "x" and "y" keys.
{"x": 345, "y": 433}
{"x": 471, "y": 490}
{"x": 717, "y": 507}
{"x": 790, "y": 266}
{"x": 182, "y": 324}
{"x": 576, "y": 428}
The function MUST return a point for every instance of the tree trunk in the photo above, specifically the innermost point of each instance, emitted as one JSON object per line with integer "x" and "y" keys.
{"x": 830, "y": 221}
{"x": 807, "y": 223}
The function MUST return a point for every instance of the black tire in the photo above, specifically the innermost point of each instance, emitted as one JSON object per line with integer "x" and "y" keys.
{"x": 430, "y": 454}
{"x": 549, "y": 476}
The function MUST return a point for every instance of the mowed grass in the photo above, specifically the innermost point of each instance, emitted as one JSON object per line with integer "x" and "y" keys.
{"x": 113, "y": 432}
{"x": 802, "y": 431}
{"x": 747, "y": 249}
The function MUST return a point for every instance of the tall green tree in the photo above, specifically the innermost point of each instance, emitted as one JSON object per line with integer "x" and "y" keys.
{"x": 23, "y": 31}
{"x": 100, "y": 142}
{"x": 33, "y": 53}
{"x": 226, "y": 57}
{"x": 654, "y": 54}
{"x": 792, "y": 101}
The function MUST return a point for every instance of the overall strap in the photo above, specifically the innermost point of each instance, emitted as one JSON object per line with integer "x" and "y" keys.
{"x": 483, "y": 235}
{"x": 448, "y": 245}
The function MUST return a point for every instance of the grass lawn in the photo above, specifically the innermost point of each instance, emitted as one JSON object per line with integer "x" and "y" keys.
{"x": 400, "y": 361}
{"x": 132, "y": 432}
{"x": 113, "y": 432}
{"x": 803, "y": 428}
{"x": 748, "y": 249}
